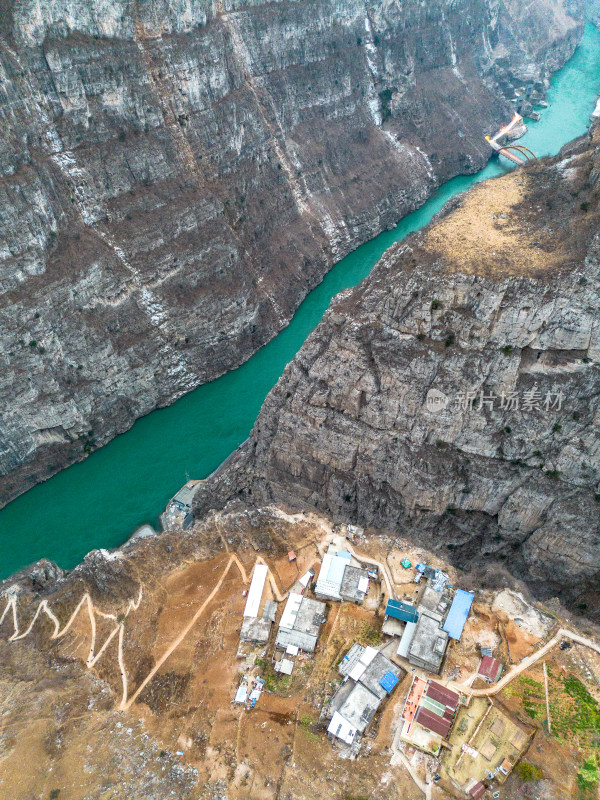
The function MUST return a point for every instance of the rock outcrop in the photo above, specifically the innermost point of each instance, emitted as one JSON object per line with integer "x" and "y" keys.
{"x": 453, "y": 395}
{"x": 588, "y": 9}
{"x": 175, "y": 177}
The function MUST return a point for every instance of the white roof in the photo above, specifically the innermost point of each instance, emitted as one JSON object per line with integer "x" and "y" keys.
{"x": 291, "y": 650}
{"x": 285, "y": 665}
{"x": 332, "y": 573}
{"x": 363, "y": 584}
{"x": 304, "y": 641}
{"x": 328, "y": 589}
{"x": 305, "y": 579}
{"x": 337, "y": 565}
{"x": 341, "y": 728}
{"x": 369, "y": 654}
{"x": 290, "y": 612}
{"x": 259, "y": 576}
{"x": 325, "y": 564}
{"x": 407, "y": 637}
{"x": 363, "y": 662}
{"x": 241, "y": 694}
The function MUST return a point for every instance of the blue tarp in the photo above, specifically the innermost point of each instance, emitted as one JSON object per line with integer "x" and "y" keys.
{"x": 389, "y": 681}
{"x": 401, "y": 611}
{"x": 457, "y": 616}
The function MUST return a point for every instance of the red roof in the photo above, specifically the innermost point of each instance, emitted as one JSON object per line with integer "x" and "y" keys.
{"x": 432, "y": 722}
{"x": 489, "y": 668}
{"x": 443, "y": 695}
{"x": 477, "y": 791}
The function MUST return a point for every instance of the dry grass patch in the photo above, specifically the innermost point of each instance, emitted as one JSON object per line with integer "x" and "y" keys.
{"x": 488, "y": 234}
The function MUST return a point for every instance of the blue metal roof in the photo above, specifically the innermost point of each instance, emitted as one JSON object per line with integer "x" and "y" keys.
{"x": 401, "y": 611}
{"x": 457, "y": 616}
{"x": 389, "y": 681}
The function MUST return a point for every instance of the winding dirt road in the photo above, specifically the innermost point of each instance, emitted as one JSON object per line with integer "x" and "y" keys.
{"x": 127, "y": 703}
{"x": 86, "y": 602}
{"x": 562, "y": 633}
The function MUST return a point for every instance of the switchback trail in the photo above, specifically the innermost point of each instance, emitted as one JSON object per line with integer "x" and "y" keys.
{"x": 86, "y": 603}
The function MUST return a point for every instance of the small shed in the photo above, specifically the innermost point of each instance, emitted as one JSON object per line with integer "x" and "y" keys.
{"x": 306, "y": 578}
{"x": 477, "y": 791}
{"x": 241, "y": 694}
{"x": 505, "y": 767}
{"x": 402, "y": 611}
{"x": 285, "y": 666}
{"x": 490, "y": 669}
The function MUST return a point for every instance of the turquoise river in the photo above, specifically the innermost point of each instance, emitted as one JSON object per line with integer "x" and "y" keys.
{"x": 99, "y": 502}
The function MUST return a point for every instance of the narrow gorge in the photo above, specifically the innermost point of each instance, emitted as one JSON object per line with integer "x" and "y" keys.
{"x": 452, "y": 397}
{"x": 299, "y": 422}
{"x": 175, "y": 177}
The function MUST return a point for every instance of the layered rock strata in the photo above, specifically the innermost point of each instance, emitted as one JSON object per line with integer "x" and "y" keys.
{"x": 175, "y": 177}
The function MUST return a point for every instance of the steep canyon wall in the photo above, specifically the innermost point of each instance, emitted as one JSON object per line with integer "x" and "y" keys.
{"x": 176, "y": 176}
{"x": 453, "y": 395}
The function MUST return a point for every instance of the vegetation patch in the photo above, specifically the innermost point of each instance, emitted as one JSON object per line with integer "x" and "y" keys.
{"x": 385, "y": 99}
{"x": 531, "y": 693}
{"x": 277, "y": 683}
{"x": 588, "y": 777}
{"x": 528, "y": 772}
{"x": 307, "y": 724}
{"x": 369, "y": 635}
{"x": 574, "y": 712}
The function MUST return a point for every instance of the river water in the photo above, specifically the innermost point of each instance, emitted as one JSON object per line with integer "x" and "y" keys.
{"x": 99, "y": 502}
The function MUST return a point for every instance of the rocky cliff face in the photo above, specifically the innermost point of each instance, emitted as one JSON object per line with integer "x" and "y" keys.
{"x": 588, "y": 9}
{"x": 175, "y": 177}
{"x": 453, "y": 395}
